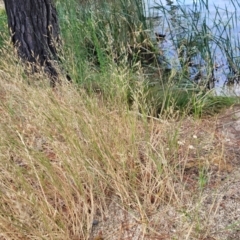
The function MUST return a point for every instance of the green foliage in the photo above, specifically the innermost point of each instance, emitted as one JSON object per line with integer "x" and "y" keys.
{"x": 3, "y": 24}
{"x": 102, "y": 39}
{"x": 99, "y": 34}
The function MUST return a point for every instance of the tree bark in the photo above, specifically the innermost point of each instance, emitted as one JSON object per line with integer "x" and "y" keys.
{"x": 35, "y": 32}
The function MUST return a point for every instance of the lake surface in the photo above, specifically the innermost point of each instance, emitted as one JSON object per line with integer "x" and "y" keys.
{"x": 214, "y": 25}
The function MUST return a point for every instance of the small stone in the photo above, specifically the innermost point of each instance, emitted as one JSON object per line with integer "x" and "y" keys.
{"x": 95, "y": 222}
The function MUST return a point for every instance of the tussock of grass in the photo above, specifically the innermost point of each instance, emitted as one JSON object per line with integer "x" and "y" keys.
{"x": 66, "y": 155}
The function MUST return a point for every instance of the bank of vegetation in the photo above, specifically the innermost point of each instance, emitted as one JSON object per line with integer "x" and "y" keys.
{"x": 124, "y": 131}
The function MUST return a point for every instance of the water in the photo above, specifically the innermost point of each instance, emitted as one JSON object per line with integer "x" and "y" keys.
{"x": 151, "y": 11}
{"x": 209, "y": 31}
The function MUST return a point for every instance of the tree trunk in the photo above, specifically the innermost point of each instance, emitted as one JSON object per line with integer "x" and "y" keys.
{"x": 35, "y": 32}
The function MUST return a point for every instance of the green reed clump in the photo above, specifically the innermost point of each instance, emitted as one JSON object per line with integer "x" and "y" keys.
{"x": 102, "y": 33}
{"x": 102, "y": 38}
{"x": 200, "y": 32}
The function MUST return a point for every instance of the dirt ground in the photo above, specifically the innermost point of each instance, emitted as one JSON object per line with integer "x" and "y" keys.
{"x": 227, "y": 215}
{"x": 218, "y": 209}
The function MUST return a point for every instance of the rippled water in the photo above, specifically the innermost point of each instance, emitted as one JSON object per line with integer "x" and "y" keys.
{"x": 175, "y": 18}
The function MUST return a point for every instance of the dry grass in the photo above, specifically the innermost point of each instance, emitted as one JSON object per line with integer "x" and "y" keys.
{"x": 80, "y": 167}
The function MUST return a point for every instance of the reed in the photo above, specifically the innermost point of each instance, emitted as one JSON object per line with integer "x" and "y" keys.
{"x": 200, "y": 33}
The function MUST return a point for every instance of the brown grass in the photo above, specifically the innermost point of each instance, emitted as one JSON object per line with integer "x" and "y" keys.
{"x": 75, "y": 166}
